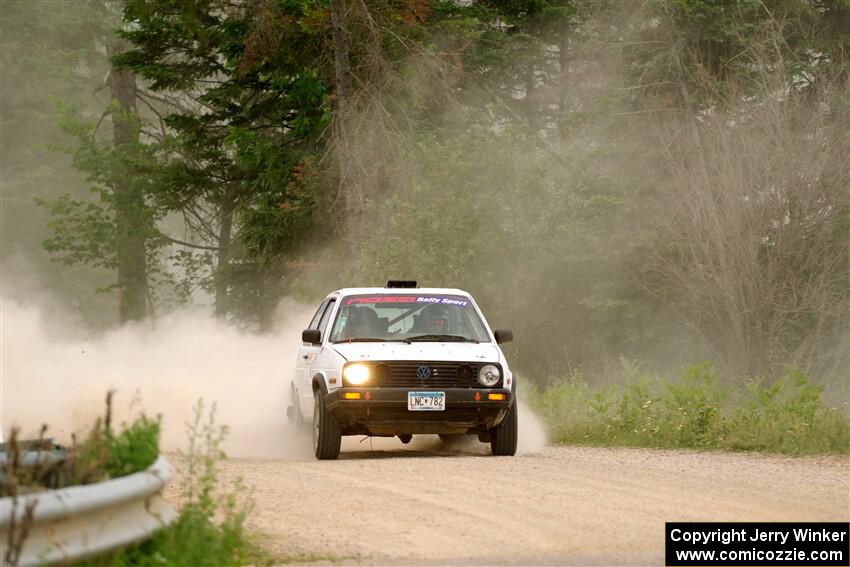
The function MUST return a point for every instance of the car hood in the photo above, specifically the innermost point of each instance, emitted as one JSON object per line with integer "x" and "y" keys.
{"x": 426, "y": 351}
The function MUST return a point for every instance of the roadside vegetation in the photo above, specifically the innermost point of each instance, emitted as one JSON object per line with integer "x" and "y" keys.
{"x": 35, "y": 465}
{"x": 104, "y": 453}
{"x": 695, "y": 410}
{"x": 209, "y": 530}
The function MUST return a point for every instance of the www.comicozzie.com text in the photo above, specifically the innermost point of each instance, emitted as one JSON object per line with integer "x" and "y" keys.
{"x": 726, "y": 536}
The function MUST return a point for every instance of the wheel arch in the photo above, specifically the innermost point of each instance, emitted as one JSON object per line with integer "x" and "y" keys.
{"x": 320, "y": 383}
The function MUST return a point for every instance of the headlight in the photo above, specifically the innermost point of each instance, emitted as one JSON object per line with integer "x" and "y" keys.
{"x": 489, "y": 375}
{"x": 356, "y": 374}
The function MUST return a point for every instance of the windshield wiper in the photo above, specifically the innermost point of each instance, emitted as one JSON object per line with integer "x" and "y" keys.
{"x": 369, "y": 340}
{"x": 441, "y": 338}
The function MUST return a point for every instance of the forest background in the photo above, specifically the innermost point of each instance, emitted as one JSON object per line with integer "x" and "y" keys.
{"x": 635, "y": 184}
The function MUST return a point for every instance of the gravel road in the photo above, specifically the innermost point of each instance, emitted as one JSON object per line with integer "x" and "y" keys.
{"x": 432, "y": 504}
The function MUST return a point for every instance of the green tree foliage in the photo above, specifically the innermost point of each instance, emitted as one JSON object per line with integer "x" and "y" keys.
{"x": 696, "y": 53}
{"x": 660, "y": 180}
{"x": 45, "y": 53}
{"x": 49, "y": 51}
{"x": 242, "y": 100}
{"x": 120, "y": 224}
{"x": 547, "y": 183}
{"x": 125, "y": 245}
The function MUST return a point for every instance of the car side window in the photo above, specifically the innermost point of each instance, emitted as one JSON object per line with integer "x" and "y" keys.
{"x": 323, "y": 323}
{"x": 314, "y": 323}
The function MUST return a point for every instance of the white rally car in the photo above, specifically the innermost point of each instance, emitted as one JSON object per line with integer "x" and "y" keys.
{"x": 402, "y": 360}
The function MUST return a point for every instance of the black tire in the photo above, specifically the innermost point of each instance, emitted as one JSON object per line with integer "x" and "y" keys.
{"x": 326, "y": 431}
{"x": 503, "y": 437}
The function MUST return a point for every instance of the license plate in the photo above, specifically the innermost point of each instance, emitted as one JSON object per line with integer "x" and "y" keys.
{"x": 426, "y": 401}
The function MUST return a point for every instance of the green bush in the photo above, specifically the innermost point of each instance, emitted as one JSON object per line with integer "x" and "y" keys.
{"x": 787, "y": 416}
{"x": 209, "y": 531}
{"x": 196, "y": 538}
{"x": 134, "y": 448}
{"x": 695, "y": 410}
{"x": 102, "y": 455}
{"x": 106, "y": 453}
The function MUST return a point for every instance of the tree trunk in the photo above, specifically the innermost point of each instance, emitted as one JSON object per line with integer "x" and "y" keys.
{"x": 530, "y": 87}
{"x": 343, "y": 95}
{"x": 342, "y": 62}
{"x": 130, "y": 218}
{"x": 222, "y": 273}
{"x": 563, "y": 68}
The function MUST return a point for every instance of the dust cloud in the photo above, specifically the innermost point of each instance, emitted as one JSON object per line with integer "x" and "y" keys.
{"x": 532, "y": 433}
{"x": 164, "y": 367}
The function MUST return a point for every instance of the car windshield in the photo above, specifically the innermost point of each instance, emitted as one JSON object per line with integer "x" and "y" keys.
{"x": 408, "y": 318}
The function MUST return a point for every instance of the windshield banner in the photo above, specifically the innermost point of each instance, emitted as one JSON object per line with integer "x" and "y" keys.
{"x": 456, "y": 300}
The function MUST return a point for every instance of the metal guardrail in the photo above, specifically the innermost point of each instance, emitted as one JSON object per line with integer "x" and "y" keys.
{"x": 74, "y": 523}
{"x": 42, "y": 457}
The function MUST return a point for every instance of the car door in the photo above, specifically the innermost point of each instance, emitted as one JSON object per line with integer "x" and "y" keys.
{"x": 306, "y": 354}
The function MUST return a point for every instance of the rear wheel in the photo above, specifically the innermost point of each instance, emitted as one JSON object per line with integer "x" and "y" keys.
{"x": 503, "y": 437}
{"x": 326, "y": 431}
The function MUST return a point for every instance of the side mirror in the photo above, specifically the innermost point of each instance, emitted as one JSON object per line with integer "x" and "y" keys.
{"x": 312, "y": 336}
{"x": 503, "y": 336}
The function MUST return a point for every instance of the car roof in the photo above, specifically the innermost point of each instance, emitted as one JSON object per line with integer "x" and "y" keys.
{"x": 397, "y": 291}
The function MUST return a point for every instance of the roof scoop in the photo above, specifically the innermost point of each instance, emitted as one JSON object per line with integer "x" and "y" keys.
{"x": 401, "y": 283}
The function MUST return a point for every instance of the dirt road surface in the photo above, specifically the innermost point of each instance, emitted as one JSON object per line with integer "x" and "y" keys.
{"x": 432, "y": 504}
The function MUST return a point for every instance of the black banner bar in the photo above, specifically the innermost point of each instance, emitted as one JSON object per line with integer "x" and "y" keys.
{"x": 742, "y": 544}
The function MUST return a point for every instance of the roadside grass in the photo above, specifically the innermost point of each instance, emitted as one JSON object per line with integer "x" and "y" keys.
{"x": 313, "y": 558}
{"x": 35, "y": 465}
{"x": 103, "y": 454}
{"x": 210, "y": 528}
{"x": 695, "y": 410}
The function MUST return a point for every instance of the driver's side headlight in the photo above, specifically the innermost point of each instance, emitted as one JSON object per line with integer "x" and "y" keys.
{"x": 356, "y": 374}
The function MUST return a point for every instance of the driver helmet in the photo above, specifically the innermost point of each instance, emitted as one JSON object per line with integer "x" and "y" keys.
{"x": 361, "y": 322}
{"x": 436, "y": 319}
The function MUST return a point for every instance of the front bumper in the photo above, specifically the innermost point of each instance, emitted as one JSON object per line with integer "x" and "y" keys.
{"x": 383, "y": 411}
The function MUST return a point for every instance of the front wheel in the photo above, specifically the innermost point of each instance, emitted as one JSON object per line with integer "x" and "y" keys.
{"x": 326, "y": 431}
{"x": 503, "y": 437}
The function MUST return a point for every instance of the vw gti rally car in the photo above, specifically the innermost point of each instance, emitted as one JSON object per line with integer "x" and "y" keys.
{"x": 402, "y": 360}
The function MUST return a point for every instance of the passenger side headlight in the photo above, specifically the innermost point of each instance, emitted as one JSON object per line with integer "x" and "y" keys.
{"x": 356, "y": 374}
{"x": 489, "y": 375}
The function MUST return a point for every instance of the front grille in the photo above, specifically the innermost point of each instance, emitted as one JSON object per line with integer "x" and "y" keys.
{"x": 405, "y": 374}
